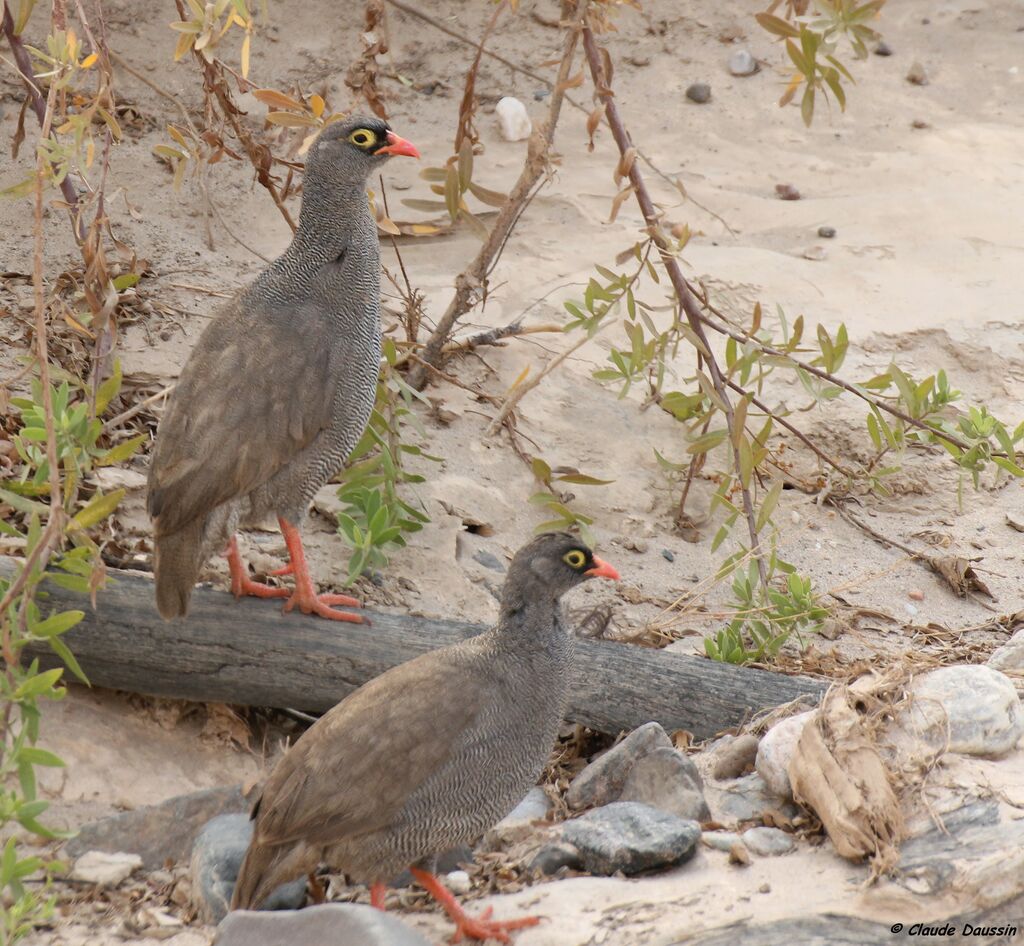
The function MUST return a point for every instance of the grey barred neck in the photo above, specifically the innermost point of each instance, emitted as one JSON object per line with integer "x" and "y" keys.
{"x": 328, "y": 220}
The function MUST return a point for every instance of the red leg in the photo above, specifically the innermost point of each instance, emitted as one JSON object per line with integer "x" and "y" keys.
{"x": 377, "y": 892}
{"x": 241, "y": 583}
{"x": 305, "y": 596}
{"x": 479, "y": 928}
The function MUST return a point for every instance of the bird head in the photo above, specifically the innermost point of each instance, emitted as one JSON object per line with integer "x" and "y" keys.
{"x": 350, "y": 151}
{"x": 557, "y": 561}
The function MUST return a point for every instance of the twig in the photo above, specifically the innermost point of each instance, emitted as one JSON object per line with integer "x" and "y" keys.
{"x": 473, "y": 280}
{"x": 444, "y": 376}
{"x": 495, "y": 336}
{"x": 686, "y": 299}
{"x": 883, "y": 540}
{"x": 137, "y": 408}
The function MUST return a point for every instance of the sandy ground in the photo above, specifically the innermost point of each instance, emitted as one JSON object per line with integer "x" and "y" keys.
{"x": 925, "y": 269}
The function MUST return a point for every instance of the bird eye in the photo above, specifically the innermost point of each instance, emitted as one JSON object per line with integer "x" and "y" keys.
{"x": 362, "y": 137}
{"x": 575, "y": 559}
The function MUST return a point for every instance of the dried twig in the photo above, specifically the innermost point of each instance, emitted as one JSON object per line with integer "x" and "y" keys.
{"x": 686, "y": 298}
{"x": 495, "y": 336}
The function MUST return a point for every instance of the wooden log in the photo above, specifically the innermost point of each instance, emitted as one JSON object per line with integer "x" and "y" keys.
{"x": 247, "y": 652}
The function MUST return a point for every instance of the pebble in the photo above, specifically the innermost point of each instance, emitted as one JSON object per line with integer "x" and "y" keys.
{"x": 768, "y": 842}
{"x": 488, "y": 560}
{"x": 883, "y": 49}
{"x": 158, "y": 833}
{"x": 827, "y": 233}
{"x": 513, "y": 119}
{"x": 329, "y": 924}
{"x": 916, "y": 595}
{"x": 1011, "y": 655}
{"x": 551, "y": 858}
{"x": 720, "y": 840}
{"x": 108, "y": 869}
{"x": 540, "y": 94}
{"x": 631, "y": 837}
{"x": 699, "y": 92}
{"x": 917, "y": 75}
{"x": 601, "y": 781}
{"x": 776, "y": 749}
{"x": 815, "y": 253}
{"x": 741, "y": 63}
{"x": 735, "y": 757}
{"x": 669, "y": 781}
{"x": 668, "y": 555}
{"x": 216, "y": 859}
{"x": 518, "y": 823}
{"x": 458, "y": 882}
{"x": 746, "y": 799}
{"x": 980, "y": 706}
{"x": 787, "y": 192}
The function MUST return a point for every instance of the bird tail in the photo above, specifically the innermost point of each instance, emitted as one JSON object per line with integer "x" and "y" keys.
{"x": 265, "y": 868}
{"x": 177, "y": 559}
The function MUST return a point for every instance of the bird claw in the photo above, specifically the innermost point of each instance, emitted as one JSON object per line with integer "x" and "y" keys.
{"x": 320, "y": 605}
{"x": 246, "y": 586}
{"x": 482, "y": 927}
{"x": 288, "y": 569}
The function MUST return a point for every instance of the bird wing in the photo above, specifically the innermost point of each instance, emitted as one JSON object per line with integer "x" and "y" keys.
{"x": 353, "y": 771}
{"x": 256, "y": 390}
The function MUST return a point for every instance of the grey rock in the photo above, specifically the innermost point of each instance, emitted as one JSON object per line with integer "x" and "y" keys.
{"x": 518, "y": 823}
{"x": 768, "y": 842}
{"x": 699, "y": 92}
{"x": 158, "y": 833}
{"x": 787, "y": 192}
{"x": 630, "y": 837}
{"x": 735, "y": 757}
{"x": 668, "y": 555}
{"x": 827, "y": 233}
{"x": 540, "y": 94}
{"x": 216, "y": 859}
{"x": 883, "y": 49}
{"x": 741, "y": 63}
{"x": 746, "y": 799}
{"x": 330, "y": 924}
{"x": 776, "y": 749}
{"x": 488, "y": 560}
{"x": 721, "y": 840}
{"x": 601, "y": 781}
{"x": 551, "y": 858}
{"x": 669, "y": 781}
{"x": 105, "y": 868}
{"x": 1010, "y": 656}
{"x": 980, "y": 706}
{"x": 917, "y": 75}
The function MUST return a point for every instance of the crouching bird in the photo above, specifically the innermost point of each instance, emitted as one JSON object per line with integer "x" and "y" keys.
{"x": 430, "y": 754}
{"x": 279, "y": 387}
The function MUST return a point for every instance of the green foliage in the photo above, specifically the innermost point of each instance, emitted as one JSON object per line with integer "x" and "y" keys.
{"x": 556, "y": 505}
{"x": 375, "y": 516}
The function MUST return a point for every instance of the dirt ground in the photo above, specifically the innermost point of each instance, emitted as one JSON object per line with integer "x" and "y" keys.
{"x": 923, "y": 184}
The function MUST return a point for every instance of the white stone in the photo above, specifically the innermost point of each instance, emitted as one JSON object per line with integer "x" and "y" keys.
{"x": 513, "y": 119}
{"x": 741, "y": 63}
{"x": 1011, "y": 655}
{"x": 99, "y": 867}
{"x": 458, "y": 882}
{"x": 776, "y": 749}
{"x": 768, "y": 842}
{"x": 720, "y": 840}
{"x": 979, "y": 705}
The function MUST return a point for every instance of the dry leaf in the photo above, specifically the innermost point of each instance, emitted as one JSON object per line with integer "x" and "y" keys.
{"x": 959, "y": 575}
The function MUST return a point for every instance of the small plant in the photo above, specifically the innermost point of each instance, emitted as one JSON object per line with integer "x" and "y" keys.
{"x": 555, "y": 504}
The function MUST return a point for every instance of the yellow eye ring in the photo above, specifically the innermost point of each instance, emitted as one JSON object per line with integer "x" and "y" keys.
{"x": 575, "y": 559}
{"x": 363, "y": 138}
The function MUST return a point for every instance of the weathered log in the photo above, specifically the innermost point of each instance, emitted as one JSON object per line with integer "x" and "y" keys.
{"x": 247, "y": 652}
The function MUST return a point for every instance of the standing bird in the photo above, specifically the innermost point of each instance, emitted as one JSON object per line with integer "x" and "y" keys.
{"x": 279, "y": 387}
{"x": 430, "y": 754}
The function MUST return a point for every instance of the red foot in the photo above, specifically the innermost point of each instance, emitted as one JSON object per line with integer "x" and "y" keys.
{"x": 377, "y": 892}
{"x": 305, "y": 597}
{"x": 479, "y": 928}
{"x": 241, "y": 583}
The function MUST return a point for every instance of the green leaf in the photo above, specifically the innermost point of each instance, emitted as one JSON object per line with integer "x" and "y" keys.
{"x": 36, "y": 756}
{"x": 27, "y": 506}
{"x": 768, "y": 505}
{"x": 61, "y": 650}
{"x": 776, "y": 25}
{"x": 707, "y": 441}
{"x": 57, "y": 624}
{"x": 122, "y": 451}
{"x": 99, "y": 507}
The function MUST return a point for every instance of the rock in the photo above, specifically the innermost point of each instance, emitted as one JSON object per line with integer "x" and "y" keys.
{"x": 827, "y": 233}
{"x": 551, "y": 858}
{"x": 787, "y": 192}
{"x": 513, "y": 119}
{"x": 815, "y": 253}
{"x": 518, "y": 823}
{"x": 630, "y": 837}
{"x": 216, "y": 859}
{"x": 699, "y": 92}
{"x": 669, "y": 781}
{"x": 776, "y": 749}
{"x": 883, "y": 49}
{"x": 488, "y": 560}
{"x": 601, "y": 781}
{"x": 540, "y": 94}
{"x": 158, "y": 833}
{"x": 741, "y": 63}
{"x": 721, "y": 840}
{"x": 768, "y": 842}
{"x": 917, "y": 75}
{"x": 668, "y": 555}
{"x": 735, "y": 757}
{"x": 105, "y": 868}
{"x": 329, "y": 924}
{"x": 981, "y": 706}
{"x": 746, "y": 799}
{"x": 458, "y": 882}
{"x": 1010, "y": 656}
